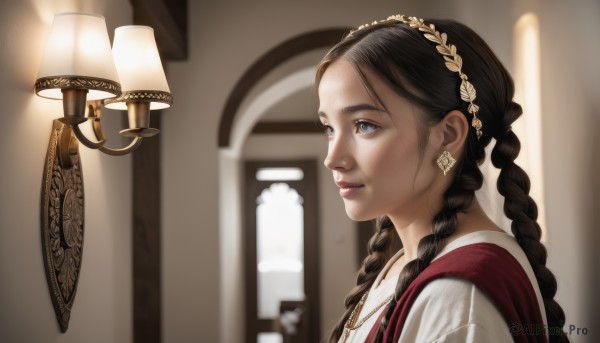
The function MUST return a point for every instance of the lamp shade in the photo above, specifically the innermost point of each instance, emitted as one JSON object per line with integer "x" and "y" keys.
{"x": 140, "y": 69}
{"x": 78, "y": 55}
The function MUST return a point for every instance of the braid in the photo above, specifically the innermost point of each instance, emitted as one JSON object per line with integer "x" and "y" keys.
{"x": 379, "y": 251}
{"x": 457, "y": 199}
{"x": 513, "y": 184}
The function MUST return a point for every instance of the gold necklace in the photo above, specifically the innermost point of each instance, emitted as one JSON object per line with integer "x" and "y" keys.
{"x": 352, "y": 324}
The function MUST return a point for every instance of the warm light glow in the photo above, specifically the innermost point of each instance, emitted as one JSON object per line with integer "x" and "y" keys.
{"x": 138, "y": 63}
{"x": 528, "y": 127}
{"x": 78, "y": 45}
{"x": 279, "y": 174}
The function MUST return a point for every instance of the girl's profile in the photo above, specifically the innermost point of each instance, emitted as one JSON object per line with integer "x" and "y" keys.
{"x": 409, "y": 107}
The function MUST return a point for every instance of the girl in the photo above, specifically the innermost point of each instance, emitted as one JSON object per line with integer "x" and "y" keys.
{"x": 408, "y": 107}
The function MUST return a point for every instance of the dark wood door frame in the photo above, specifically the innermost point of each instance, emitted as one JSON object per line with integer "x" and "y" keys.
{"x": 169, "y": 21}
{"x": 308, "y": 189}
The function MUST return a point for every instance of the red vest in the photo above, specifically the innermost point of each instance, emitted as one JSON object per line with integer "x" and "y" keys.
{"x": 493, "y": 270}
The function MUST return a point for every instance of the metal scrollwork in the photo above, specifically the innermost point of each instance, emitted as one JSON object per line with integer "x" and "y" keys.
{"x": 62, "y": 224}
{"x": 78, "y": 82}
{"x": 148, "y": 96}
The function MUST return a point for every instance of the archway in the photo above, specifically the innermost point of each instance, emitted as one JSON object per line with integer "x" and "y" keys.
{"x": 235, "y": 125}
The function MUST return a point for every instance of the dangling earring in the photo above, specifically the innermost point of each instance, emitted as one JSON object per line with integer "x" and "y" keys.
{"x": 445, "y": 161}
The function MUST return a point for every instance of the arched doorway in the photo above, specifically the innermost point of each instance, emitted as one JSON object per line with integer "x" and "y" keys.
{"x": 237, "y": 121}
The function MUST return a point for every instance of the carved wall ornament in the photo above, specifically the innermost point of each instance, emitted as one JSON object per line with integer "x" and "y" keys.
{"x": 62, "y": 220}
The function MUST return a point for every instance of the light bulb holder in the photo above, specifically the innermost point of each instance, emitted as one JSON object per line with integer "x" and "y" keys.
{"x": 138, "y": 114}
{"x": 73, "y": 106}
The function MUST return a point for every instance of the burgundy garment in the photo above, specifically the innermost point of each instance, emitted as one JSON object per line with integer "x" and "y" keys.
{"x": 493, "y": 270}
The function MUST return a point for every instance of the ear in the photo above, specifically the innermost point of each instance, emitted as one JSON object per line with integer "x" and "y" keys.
{"x": 452, "y": 131}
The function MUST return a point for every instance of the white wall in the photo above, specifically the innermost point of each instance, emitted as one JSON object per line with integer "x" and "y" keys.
{"x": 102, "y": 308}
{"x": 570, "y": 114}
{"x": 227, "y": 37}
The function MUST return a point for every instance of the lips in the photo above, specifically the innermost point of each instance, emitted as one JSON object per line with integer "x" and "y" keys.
{"x": 342, "y": 184}
{"x": 348, "y": 189}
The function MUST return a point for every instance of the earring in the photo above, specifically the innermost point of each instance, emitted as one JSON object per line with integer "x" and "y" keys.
{"x": 446, "y": 161}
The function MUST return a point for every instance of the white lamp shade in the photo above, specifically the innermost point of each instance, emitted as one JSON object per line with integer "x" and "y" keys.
{"x": 78, "y": 45}
{"x": 139, "y": 67}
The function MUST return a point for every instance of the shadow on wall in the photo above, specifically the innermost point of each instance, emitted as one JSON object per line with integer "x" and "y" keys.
{"x": 593, "y": 243}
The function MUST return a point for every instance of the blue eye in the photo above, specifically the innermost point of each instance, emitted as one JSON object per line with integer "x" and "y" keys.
{"x": 365, "y": 127}
{"x": 328, "y": 130}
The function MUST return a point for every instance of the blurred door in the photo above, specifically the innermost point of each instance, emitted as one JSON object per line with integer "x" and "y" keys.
{"x": 281, "y": 246}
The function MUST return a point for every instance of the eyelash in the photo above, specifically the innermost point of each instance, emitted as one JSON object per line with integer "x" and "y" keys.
{"x": 328, "y": 130}
{"x": 363, "y": 123}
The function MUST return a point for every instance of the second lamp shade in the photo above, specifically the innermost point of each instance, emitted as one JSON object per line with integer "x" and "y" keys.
{"x": 138, "y": 63}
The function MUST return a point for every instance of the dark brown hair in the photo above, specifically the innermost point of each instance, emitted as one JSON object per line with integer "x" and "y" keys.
{"x": 411, "y": 66}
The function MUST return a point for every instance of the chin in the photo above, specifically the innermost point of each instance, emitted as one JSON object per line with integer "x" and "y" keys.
{"x": 359, "y": 214}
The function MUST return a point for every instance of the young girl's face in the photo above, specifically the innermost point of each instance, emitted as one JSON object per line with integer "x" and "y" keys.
{"x": 374, "y": 154}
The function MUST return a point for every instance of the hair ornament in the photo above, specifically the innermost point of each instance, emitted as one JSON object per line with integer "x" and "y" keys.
{"x": 452, "y": 59}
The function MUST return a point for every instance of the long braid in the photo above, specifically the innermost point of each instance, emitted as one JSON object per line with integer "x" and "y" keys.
{"x": 378, "y": 253}
{"x": 514, "y": 185}
{"x": 457, "y": 199}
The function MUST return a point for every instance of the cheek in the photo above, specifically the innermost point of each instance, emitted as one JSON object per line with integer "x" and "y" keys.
{"x": 393, "y": 162}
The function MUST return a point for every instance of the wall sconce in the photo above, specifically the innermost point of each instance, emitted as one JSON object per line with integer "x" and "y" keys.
{"x": 79, "y": 68}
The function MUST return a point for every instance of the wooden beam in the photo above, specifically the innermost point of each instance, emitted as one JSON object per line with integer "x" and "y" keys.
{"x": 146, "y": 239}
{"x": 168, "y": 18}
{"x": 274, "y": 127}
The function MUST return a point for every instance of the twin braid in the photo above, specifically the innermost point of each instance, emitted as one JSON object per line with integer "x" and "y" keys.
{"x": 457, "y": 199}
{"x": 514, "y": 185}
{"x": 378, "y": 253}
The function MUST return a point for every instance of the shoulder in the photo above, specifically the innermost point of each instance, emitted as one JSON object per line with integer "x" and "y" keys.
{"x": 508, "y": 262}
{"x": 500, "y": 240}
{"x": 454, "y": 309}
{"x": 477, "y": 287}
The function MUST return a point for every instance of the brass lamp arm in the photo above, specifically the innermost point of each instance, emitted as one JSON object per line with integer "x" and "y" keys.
{"x": 94, "y": 113}
{"x": 135, "y": 143}
{"x": 85, "y": 141}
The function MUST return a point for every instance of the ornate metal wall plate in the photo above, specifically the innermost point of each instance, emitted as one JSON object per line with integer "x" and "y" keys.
{"x": 62, "y": 220}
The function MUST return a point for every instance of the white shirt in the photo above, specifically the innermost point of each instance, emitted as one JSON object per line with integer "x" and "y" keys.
{"x": 449, "y": 310}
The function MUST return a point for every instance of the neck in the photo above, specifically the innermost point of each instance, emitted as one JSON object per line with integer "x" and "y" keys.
{"x": 412, "y": 231}
{"x": 410, "y": 236}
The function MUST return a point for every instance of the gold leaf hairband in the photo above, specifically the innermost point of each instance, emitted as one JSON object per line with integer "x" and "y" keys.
{"x": 452, "y": 59}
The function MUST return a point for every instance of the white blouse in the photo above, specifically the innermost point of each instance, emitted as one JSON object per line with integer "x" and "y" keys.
{"x": 448, "y": 310}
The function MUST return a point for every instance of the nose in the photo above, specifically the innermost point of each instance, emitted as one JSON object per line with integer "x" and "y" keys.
{"x": 338, "y": 155}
